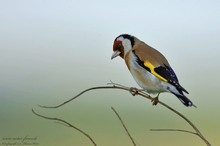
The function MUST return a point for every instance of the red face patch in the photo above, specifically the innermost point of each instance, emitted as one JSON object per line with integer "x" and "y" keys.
{"x": 117, "y": 46}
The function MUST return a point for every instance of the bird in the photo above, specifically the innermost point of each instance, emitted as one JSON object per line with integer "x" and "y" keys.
{"x": 149, "y": 68}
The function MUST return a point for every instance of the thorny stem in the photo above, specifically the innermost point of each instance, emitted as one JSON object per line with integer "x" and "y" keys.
{"x": 143, "y": 94}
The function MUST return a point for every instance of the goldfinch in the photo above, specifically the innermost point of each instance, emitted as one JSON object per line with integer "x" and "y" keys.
{"x": 149, "y": 68}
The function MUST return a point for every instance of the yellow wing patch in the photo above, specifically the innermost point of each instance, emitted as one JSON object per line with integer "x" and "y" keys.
{"x": 151, "y": 67}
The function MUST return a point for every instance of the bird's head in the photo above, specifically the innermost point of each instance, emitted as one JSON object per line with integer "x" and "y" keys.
{"x": 122, "y": 44}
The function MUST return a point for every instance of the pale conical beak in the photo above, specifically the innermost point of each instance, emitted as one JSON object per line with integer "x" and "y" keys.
{"x": 115, "y": 54}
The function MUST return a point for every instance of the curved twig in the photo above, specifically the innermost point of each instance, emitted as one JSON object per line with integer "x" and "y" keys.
{"x": 171, "y": 130}
{"x": 129, "y": 135}
{"x": 188, "y": 121}
{"x": 89, "y": 89}
{"x": 143, "y": 94}
{"x": 66, "y": 124}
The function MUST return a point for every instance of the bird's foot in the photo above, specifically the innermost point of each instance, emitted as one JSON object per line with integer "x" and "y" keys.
{"x": 134, "y": 91}
{"x": 155, "y": 100}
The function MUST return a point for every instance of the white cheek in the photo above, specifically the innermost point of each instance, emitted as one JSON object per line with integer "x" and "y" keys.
{"x": 127, "y": 45}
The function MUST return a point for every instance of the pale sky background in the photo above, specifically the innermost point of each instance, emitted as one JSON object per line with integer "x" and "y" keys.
{"x": 51, "y": 50}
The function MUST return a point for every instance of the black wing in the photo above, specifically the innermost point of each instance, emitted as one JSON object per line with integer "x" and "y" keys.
{"x": 168, "y": 73}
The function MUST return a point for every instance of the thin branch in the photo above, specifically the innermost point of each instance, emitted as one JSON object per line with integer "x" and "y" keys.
{"x": 179, "y": 130}
{"x": 188, "y": 121}
{"x": 66, "y": 124}
{"x": 129, "y": 135}
{"x": 143, "y": 94}
{"x": 90, "y": 89}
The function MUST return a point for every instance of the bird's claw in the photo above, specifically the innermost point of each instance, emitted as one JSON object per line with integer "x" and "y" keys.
{"x": 134, "y": 91}
{"x": 155, "y": 101}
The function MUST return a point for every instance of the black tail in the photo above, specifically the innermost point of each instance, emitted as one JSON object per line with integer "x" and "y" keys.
{"x": 184, "y": 100}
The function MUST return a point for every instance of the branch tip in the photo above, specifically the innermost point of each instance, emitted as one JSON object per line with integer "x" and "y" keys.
{"x": 63, "y": 122}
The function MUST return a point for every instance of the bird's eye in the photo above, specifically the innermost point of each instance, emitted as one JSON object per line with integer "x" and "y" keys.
{"x": 119, "y": 45}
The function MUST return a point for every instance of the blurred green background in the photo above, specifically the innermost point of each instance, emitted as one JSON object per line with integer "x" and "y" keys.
{"x": 52, "y": 50}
